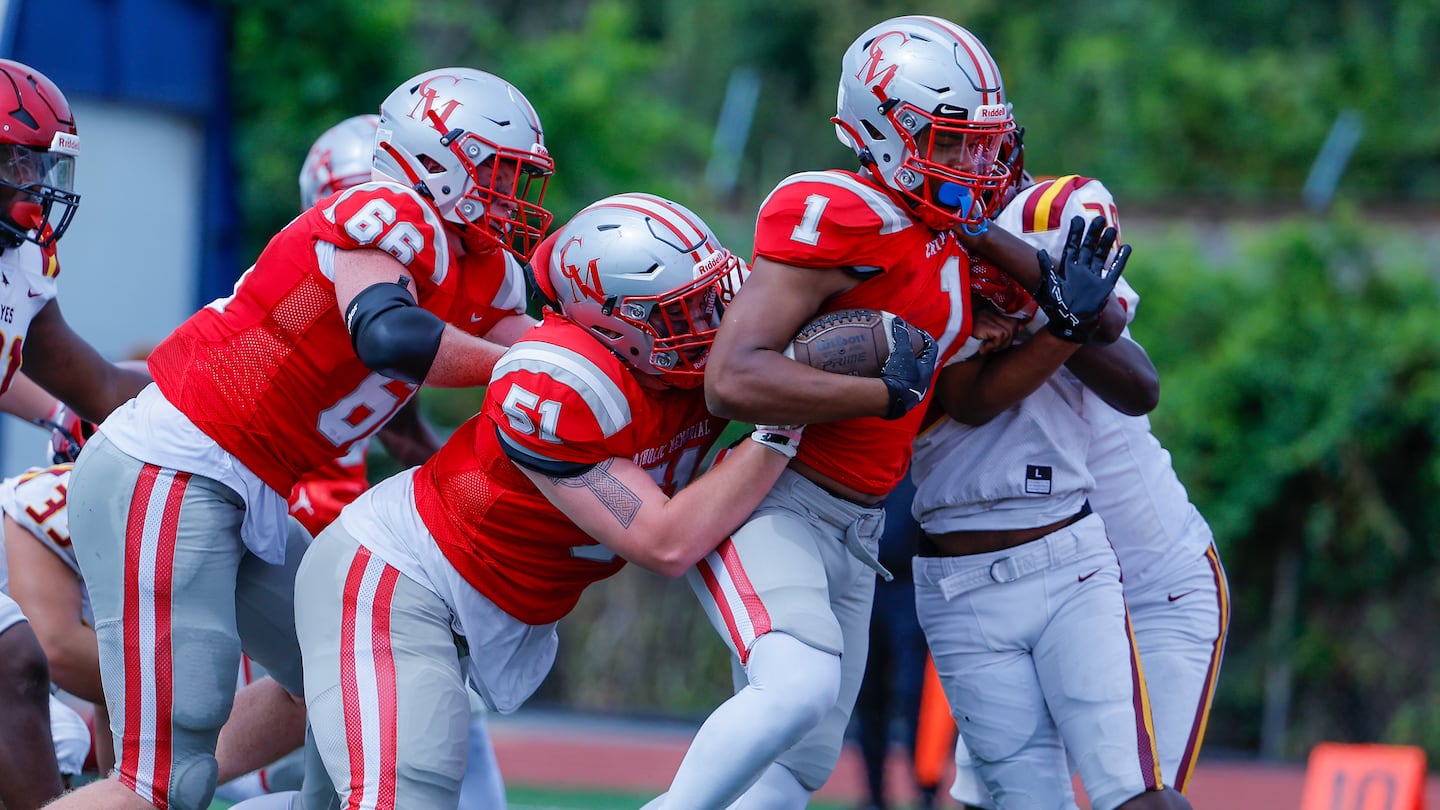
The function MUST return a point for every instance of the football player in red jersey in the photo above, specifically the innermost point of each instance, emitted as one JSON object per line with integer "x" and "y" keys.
{"x": 180, "y": 521}
{"x": 39, "y": 145}
{"x": 268, "y": 723}
{"x": 460, "y": 568}
{"x": 341, "y": 158}
{"x": 922, "y": 104}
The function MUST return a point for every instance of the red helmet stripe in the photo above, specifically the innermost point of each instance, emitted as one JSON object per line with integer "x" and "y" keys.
{"x": 664, "y": 213}
{"x": 985, "y": 68}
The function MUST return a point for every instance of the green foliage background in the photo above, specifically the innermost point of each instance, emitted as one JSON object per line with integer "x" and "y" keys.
{"x": 1298, "y": 353}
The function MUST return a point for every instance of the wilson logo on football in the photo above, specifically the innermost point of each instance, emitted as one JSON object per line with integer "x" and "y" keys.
{"x": 585, "y": 282}
{"x": 430, "y": 97}
{"x": 875, "y": 72}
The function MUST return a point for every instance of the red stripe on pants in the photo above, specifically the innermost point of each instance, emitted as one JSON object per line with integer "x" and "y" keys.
{"x": 349, "y": 689}
{"x": 130, "y": 625}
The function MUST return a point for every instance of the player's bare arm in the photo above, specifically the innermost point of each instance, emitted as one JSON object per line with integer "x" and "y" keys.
{"x": 1121, "y": 373}
{"x": 748, "y": 377}
{"x": 509, "y": 329}
{"x": 49, "y": 593}
{"x": 619, "y": 505}
{"x": 62, "y": 363}
{"x": 1016, "y": 257}
{"x": 1072, "y": 292}
{"x": 26, "y": 399}
{"x": 394, "y": 336}
{"x": 977, "y": 390}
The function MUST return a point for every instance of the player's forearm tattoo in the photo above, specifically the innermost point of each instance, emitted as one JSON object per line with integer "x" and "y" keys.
{"x": 618, "y": 498}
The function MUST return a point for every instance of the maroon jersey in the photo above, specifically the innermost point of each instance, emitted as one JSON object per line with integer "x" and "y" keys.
{"x": 559, "y": 400}
{"x": 269, "y": 372}
{"x": 838, "y": 219}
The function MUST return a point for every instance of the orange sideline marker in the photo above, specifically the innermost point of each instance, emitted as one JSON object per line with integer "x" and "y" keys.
{"x": 934, "y": 731}
{"x": 1364, "y": 777}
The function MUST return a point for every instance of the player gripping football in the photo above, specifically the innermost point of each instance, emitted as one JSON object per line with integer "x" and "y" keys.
{"x": 578, "y": 462}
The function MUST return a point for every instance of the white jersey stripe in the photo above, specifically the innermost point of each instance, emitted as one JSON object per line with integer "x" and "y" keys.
{"x": 511, "y": 295}
{"x": 892, "y": 217}
{"x": 573, "y": 370}
{"x": 325, "y": 256}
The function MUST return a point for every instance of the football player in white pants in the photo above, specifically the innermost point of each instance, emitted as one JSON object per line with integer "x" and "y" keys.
{"x": 922, "y": 105}
{"x": 1174, "y": 584}
{"x": 1016, "y": 585}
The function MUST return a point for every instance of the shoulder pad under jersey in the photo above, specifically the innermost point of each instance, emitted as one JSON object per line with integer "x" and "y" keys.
{"x": 829, "y": 219}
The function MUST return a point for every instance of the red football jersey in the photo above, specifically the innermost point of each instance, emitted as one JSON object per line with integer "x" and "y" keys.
{"x": 839, "y": 219}
{"x": 320, "y": 494}
{"x": 269, "y": 372}
{"x": 558, "y": 396}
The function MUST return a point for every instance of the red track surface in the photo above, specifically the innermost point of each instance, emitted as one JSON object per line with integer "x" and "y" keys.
{"x": 557, "y": 751}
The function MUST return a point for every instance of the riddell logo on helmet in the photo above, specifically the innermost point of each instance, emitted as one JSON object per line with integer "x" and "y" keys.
{"x": 991, "y": 112}
{"x": 709, "y": 263}
{"x": 429, "y": 96}
{"x": 65, "y": 143}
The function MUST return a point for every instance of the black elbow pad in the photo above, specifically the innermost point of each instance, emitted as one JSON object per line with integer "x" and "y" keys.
{"x": 391, "y": 334}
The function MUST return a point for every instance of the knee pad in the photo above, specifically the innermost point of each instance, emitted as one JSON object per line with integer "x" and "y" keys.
{"x": 203, "y": 673}
{"x": 812, "y": 761}
{"x": 802, "y": 681}
{"x": 192, "y": 782}
{"x": 777, "y": 788}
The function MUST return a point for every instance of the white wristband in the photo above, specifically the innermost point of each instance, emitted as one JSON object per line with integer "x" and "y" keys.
{"x": 783, "y": 439}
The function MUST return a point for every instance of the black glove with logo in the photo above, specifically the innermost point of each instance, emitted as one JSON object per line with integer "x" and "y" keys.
{"x": 907, "y": 373}
{"x": 1073, "y": 295}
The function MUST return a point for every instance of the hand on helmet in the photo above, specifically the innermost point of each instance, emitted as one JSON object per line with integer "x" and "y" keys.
{"x": 1073, "y": 295}
{"x": 907, "y": 374}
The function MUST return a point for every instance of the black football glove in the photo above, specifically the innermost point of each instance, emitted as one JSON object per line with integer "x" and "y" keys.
{"x": 1073, "y": 295}
{"x": 906, "y": 373}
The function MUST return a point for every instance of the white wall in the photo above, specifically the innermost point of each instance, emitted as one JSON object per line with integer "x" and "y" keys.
{"x": 128, "y": 264}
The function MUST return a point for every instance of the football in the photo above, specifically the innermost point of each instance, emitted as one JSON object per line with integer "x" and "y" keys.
{"x": 848, "y": 341}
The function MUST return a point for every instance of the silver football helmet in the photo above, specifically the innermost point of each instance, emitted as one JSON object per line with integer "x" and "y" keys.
{"x": 647, "y": 278}
{"x": 340, "y": 158}
{"x": 472, "y": 143}
{"x": 922, "y": 104}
